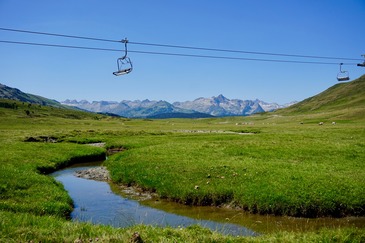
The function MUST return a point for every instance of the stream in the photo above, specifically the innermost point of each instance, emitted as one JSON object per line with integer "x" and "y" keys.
{"x": 101, "y": 202}
{"x": 95, "y": 202}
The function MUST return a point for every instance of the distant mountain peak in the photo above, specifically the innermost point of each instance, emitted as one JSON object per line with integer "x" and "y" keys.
{"x": 220, "y": 98}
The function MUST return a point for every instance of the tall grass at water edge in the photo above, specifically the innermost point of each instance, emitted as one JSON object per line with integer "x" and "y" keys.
{"x": 26, "y": 227}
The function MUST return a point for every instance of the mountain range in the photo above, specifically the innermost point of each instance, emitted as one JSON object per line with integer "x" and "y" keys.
{"x": 201, "y": 107}
{"x": 343, "y": 100}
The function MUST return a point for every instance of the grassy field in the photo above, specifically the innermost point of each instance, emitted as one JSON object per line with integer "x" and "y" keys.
{"x": 282, "y": 169}
{"x": 273, "y": 163}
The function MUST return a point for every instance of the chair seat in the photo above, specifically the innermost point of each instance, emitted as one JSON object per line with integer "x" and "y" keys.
{"x": 121, "y": 72}
{"x": 343, "y": 78}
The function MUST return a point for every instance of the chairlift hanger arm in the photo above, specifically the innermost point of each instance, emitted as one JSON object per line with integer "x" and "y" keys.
{"x": 125, "y": 41}
{"x": 341, "y": 67}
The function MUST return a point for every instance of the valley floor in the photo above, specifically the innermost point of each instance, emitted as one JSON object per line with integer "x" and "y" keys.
{"x": 286, "y": 166}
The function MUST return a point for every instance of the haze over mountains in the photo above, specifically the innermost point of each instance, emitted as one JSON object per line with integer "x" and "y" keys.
{"x": 201, "y": 107}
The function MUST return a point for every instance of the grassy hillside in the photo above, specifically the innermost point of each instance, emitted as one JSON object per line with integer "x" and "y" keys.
{"x": 343, "y": 101}
{"x": 15, "y": 94}
{"x": 17, "y": 109}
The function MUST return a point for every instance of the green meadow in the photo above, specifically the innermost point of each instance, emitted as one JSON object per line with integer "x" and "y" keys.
{"x": 280, "y": 163}
{"x": 282, "y": 169}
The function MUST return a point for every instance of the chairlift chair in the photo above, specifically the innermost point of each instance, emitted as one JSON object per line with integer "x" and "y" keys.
{"x": 363, "y": 63}
{"x": 124, "y": 66}
{"x": 343, "y": 75}
{"x": 124, "y": 63}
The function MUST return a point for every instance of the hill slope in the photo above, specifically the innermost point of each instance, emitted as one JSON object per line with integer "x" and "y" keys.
{"x": 343, "y": 100}
{"x": 15, "y": 94}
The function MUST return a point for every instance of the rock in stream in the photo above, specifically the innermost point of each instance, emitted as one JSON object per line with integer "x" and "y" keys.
{"x": 98, "y": 173}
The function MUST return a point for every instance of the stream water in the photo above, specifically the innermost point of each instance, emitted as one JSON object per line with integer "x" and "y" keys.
{"x": 103, "y": 203}
{"x": 95, "y": 202}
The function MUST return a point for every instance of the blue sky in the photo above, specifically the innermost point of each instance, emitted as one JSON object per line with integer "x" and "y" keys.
{"x": 332, "y": 28}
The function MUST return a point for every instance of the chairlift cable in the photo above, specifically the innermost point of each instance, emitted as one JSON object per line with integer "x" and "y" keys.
{"x": 180, "y": 46}
{"x": 59, "y": 35}
{"x": 244, "y": 52}
{"x": 57, "y": 45}
{"x": 170, "y": 53}
{"x": 239, "y": 58}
